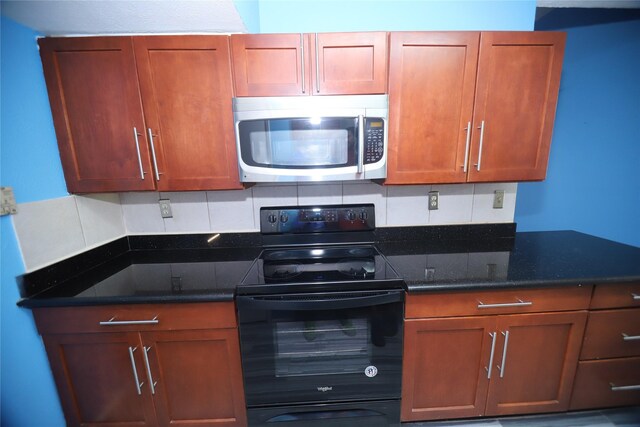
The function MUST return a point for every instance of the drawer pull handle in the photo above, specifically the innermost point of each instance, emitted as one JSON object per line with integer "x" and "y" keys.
{"x": 630, "y": 337}
{"x": 493, "y": 350}
{"x": 135, "y": 370}
{"x": 114, "y": 322}
{"x": 635, "y": 297}
{"x": 624, "y": 387}
{"x": 520, "y": 303}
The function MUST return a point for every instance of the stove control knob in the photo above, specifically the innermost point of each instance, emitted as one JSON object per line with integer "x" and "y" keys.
{"x": 351, "y": 215}
{"x": 284, "y": 218}
{"x": 272, "y": 218}
{"x": 363, "y": 215}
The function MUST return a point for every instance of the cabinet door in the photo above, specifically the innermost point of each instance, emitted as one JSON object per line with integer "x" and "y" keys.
{"x": 187, "y": 91}
{"x": 536, "y": 360}
{"x": 349, "y": 63}
{"x": 515, "y": 105}
{"x": 96, "y": 379}
{"x": 198, "y": 377}
{"x": 270, "y": 64}
{"x": 445, "y": 367}
{"x": 431, "y": 90}
{"x": 95, "y": 101}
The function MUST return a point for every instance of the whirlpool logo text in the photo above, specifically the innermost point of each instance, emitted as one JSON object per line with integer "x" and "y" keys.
{"x": 325, "y": 389}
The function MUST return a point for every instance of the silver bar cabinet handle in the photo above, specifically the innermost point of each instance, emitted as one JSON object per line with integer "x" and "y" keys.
{"x": 504, "y": 353}
{"x": 114, "y": 322}
{"x": 135, "y": 370}
{"x": 624, "y": 387}
{"x": 135, "y": 136}
{"x": 360, "y": 143}
{"x": 493, "y": 350}
{"x": 635, "y": 297}
{"x": 317, "y": 66}
{"x": 520, "y": 303}
{"x": 153, "y": 154}
{"x": 466, "y": 148}
{"x": 481, "y": 127}
{"x": 626, "y": 337}
{"x": 152, "y": 384}
{"x": 302, "y": 59}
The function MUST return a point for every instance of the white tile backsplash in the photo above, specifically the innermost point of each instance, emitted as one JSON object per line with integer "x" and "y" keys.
{"x": 190, "y": 212}
{"x": 48, "y": 231}
{"x": 455, "y": 204}
{"x": 407, "y": 205}
{"x": 231, "y": 211}
{"x": 101, "y": 218}
{"x": 483, "y": 195}
{"x": 320, "y": 194}
{"x": 51, "y": 230}
{"x": 141, "y": 213}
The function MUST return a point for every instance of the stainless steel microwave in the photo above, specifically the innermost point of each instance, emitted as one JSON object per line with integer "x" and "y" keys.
{"x": 311, "y": 138}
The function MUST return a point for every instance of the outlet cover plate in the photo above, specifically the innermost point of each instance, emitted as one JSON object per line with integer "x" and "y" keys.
{"x": 498, "y": 199}
{"x": 433, "y": 200}
{"x": 165, "y": 208}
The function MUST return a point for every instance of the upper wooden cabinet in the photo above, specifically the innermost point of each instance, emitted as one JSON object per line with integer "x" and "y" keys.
{"x": 142, "y": 113}
{"x": 472, "y": 107}
{"x": 309, "y": 64}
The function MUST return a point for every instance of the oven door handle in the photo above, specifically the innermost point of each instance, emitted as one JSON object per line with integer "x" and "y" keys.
{"x": 331, "y": 301}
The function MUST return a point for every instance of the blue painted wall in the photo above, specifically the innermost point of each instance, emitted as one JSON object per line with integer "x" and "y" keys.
{"x": 249, "y": 11}
{"x": 395, "y": 15}
{"x": 31, "y": 165}
{"x": 593, "y": 180}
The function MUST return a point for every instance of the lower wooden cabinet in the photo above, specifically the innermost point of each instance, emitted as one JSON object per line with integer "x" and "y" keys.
{"x": 149, "y": 374}
{"x": 470, "y": 366}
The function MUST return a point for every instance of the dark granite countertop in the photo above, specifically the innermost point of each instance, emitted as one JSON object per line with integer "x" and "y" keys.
{"x": 531, "y": 259}
{"x": 196, "y": 268}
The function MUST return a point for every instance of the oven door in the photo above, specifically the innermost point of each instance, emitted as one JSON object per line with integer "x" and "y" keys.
{"x": 303, "y": 348}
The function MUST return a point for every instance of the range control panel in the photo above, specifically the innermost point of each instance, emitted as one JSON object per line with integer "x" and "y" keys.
{"x": 317, "y": 219}
{"x": 373, "y": 140}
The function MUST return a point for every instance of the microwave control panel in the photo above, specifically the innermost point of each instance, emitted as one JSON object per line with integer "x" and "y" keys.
{"x": 373, "y": 140}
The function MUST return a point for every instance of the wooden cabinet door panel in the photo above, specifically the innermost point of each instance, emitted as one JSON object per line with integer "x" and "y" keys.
{"x": 431, "y": 91}
{"x": 187, "y": 91}
{"x": 349, "y": 63}
{"x": 616, "y": 295}
{"x": 199, "y": 377}
{"x": 445, "y": 367}
{"x": 271, "y": 64}
{"x": 535, "y": 365}
{"x": 95, "y": 379}
{"x": 516, "y": 95}
{"x": 95, "y": 101}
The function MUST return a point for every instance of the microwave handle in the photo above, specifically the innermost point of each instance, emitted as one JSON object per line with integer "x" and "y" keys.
{"x": 360, "y": 144}
{"x": 320, "y": 302}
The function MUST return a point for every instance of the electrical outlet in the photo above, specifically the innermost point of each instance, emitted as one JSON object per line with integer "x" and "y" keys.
{"x": 433, "y": 200}
{"x": 165, "y": 208}
{"x": 498, "y": 199}
{"x": 7, "y": 201}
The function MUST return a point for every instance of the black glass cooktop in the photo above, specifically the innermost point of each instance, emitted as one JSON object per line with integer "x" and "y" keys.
{"x": 318, "y": 268}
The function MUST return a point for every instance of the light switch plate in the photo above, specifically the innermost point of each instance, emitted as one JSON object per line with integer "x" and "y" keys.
{"x": 498, "y": 199}
{"x": 165, "y": 208}
{"x": 7, "y": 201}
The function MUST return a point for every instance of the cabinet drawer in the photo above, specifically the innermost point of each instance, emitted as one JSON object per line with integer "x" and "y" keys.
{"x": 612, "y": 333}
{"x": 602, "y": 383}
{"x": 135, "y": 317}
{"x": 612, "y": 296}
{"x": 497, "y": 302}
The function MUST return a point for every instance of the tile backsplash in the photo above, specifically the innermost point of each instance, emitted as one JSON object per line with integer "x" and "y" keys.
{"x": 51, "y": 230}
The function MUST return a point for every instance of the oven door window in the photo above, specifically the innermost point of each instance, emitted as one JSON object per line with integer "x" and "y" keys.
{"x": 300, "y": 143}
{"x": 322, "y": 355}
{"x": 322, "y": 347}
